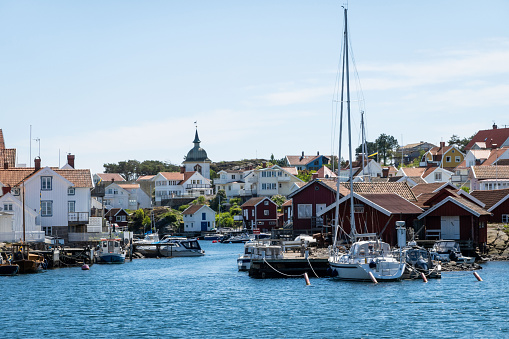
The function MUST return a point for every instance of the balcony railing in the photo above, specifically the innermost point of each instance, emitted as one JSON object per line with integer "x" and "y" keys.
{"x": 192, "y": 186}
{"x": 77, "y": 217}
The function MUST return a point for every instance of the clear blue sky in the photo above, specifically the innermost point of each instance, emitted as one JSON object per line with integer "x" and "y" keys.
{"x": 117, "y": 80}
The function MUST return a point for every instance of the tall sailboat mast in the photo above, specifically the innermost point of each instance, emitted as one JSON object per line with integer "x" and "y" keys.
{"x": 347, "y": 70}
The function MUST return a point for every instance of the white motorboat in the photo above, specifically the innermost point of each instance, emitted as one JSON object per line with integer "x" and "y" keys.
{"x": 449, "y": 250}
{"x": 366, "y": 258}
{"x": 171, "y": 246}
{"x": 148, "y": 239}
{"x": 419, "y": 260}
{"x": 258, "y": 249}
{"x": 110, "y": 252}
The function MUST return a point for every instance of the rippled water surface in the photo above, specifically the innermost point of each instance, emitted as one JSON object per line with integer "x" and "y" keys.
{"x": 208, "y": 297}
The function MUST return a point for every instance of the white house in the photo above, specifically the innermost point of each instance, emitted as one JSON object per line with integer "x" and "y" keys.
{"x": 199, "y": 218}
{"x": 11, "y": 221}
{"x": 171, "y": 185}
{"x": 437, "y": 174}
{"x": 126, "y": 196}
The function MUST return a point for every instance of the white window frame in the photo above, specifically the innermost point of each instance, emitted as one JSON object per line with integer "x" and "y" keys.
{"x": 438, "y": 176}
{"x": 71, "y": 206}
{"x": 266, "y": 212}
{"x": 304, "y": 211}
{"x": 46, "y": 208}
{"x": 46, "y": 183}
{"x": 71, "y": 191}
{"x": 7, "y": 207}
{"x": 505, "y": 218}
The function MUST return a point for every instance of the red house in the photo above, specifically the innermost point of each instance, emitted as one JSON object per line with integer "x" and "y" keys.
{"x": 260, "y": 213}
{"x": 497, "y": 203}
{"x": 374, "y": 213}
{"x": 117, "y": 216}
{"x": 311, "y": 199}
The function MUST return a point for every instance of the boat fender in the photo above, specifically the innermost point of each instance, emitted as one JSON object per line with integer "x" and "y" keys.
{"x": 334, "y": 273}
{"x": 372, "y": 265}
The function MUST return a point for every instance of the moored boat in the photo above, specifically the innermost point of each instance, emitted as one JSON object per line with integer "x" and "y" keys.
{"x": 6, "y": 267}
{"x": 419, "y": 261}
{"x": 110, "y": 252}
{"x": 258, "y": 249}
{"x": 449, "y": 250}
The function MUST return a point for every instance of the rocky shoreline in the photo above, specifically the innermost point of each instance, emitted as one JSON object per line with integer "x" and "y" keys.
{"x": 498, "y": 242}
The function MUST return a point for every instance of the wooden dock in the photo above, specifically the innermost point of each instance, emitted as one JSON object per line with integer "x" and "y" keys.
{"x": 292, "y": 266}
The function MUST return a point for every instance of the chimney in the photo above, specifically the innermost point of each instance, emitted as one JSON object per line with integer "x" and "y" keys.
{"x": 495, "y": 126}
{"x": 385, "y": 172}
{"x": 70, "y": 160}
{"x": 182, "y": 170}
{"x": 317, "y": 152}
{"x": 314, "y": 176}
{"x": 37, "y": 163}
{"x": 302, "y": 156}
{"x": 264, "y": 164}
{"x": 6, "y": 165}
{"x": 442, "y": 144}
{"x": 6, "y": 190}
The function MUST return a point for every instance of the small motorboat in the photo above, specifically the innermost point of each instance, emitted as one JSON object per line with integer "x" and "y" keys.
{"x": 419, "y": 261}
{"x": 111, "y": 252}
{"x": 449, "y": 250}
{"x": 7, "y": 268}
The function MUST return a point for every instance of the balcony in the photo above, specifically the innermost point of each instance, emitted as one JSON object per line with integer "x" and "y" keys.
{"x": 77, "y": 218}
{"x": 197, "y": 186}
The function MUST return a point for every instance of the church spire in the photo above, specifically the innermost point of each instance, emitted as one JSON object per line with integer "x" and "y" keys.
{"x": 196, "y": 139}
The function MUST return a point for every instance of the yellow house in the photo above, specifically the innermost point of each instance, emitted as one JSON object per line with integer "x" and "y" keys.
{"x": 443, "y": 156}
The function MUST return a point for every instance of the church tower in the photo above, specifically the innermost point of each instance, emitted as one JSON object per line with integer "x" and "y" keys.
{"x": 197, "y": 160}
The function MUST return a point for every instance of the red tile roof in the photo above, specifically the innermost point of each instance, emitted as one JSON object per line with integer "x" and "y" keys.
{"x": 400, "y": 188}
{"x": 429, "y": 188}
{"x": 253, "y": 201}
{"x": 79, "y": 177}
{"x": 490, "y": 197}
{"x": 490, "y": 172}
{"x": 110, "y": 176}
{"x": 492, "y": 137}
{"x": 192, "y": 209}
{"x": 414, "y": 171}
{"x": 173, "y": 176}
{"x": 129, "y": 186}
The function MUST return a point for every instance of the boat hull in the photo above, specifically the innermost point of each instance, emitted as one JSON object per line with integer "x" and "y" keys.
{"x": 28, "y": 266}
{"x": 111, "y": 258}
{"x": 9, "y": 269}
{"x": 384, "y": 271}
{"x": 244, "y": 264}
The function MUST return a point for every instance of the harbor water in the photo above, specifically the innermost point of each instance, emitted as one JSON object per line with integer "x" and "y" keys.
{"x": 207, "y": 297}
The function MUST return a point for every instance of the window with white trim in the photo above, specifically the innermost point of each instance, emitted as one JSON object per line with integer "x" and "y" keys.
{"x": 71, "y": 191}
{"x": 265, "y": 212}
{"x": 304, "y": 211}
{"x": 505, "y": 218}
{"x": 457, "y": 158}
{"x": 46, "y": 183}
{"x": 7, "y": 207}
{"x": 447, "y": 159}
{"x": 71, "y": 206}
{"x": 438, "y": 176}
{"x": 46, "y": 208}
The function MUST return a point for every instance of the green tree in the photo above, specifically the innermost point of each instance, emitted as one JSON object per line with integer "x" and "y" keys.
{"x": 460, "y": 143}
{"x": 220, "y": 197}
{"x": 235, "y": 201}
{"x": 224, "y": 219}
{"x": 278, "y": 199}
{"x": 235, "y": 210}
{"x": 370, "y": 146}
{"x": 305, "y": 175}
{"x": 199, "y": 201}
{"x": 386, "y": 145}
{"x": 182, "y": 208}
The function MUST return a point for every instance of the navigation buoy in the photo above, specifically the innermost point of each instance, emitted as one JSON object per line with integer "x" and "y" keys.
{"x": 477, "y": 276}
{"x": 307, "y": 279}
{"x": 85, "y": 267}
{"x": 214, "y": 241}
{"x": 373, "y": 279}
{"x": 424, "y": 277}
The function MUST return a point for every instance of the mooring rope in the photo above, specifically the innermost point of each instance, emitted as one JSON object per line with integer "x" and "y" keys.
{"x": 312, "y": 268}
{"x": 286, "y": 275}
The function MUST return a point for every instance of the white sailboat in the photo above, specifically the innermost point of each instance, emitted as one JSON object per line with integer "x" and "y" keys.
{"x": 368, "y": 258}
